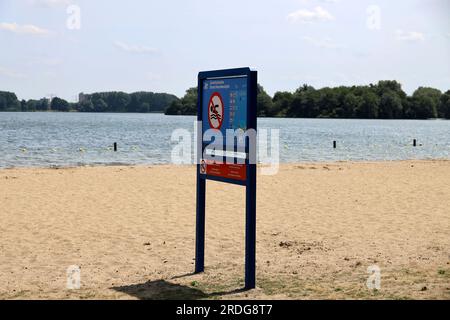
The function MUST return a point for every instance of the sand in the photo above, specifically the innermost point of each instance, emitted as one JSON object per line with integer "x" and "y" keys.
{"x": 131, "y": 230}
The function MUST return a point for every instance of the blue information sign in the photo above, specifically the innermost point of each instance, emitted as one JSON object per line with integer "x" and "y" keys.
{"x": 224, "y": 108}
{"x": 227, "y": 102}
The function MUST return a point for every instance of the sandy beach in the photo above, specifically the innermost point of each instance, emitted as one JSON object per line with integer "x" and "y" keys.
{"x": 131, "y": 230}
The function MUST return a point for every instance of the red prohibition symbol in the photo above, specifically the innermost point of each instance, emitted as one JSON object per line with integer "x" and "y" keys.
{"x": 215, "y": 111}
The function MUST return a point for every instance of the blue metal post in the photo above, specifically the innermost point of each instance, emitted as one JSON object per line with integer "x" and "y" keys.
{"x": 250, "y": 208}
{"x": 250, "y": 230}
{"x": 201, "y": 194}
{"x": 200, "y": 225}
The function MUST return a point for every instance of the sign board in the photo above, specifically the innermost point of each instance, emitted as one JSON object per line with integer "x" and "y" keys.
{"x": 227, "y": 112}
{"x": 225, "y": 106}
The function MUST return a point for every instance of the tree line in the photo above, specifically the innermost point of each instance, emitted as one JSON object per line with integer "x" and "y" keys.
{"x": 97, "y": 102}
{"x": 384, "y": 100}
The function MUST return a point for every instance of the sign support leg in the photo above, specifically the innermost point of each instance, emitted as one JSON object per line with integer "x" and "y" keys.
{"x": 250, "y": 229}
{"x": 200, "y": 226}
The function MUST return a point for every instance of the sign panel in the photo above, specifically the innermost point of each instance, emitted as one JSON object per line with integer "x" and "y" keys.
{"x": 225, "y": 104}
{"x": 224, "y": 107}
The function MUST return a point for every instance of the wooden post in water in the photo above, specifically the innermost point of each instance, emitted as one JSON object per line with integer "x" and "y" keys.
{"x": 414, "y": 143}
{"x": 115, "y": 146}
{"x": 334, "y": 144}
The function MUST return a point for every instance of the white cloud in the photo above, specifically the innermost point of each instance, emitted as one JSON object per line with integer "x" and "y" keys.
{"x": 309, "y": 16}
{"x": 23, "y": 29}
{"x": 326, "y": 43}
{"x": 135, "y": 48}
{"x": 11, "y": 74}
{"x": 409, "y": 36}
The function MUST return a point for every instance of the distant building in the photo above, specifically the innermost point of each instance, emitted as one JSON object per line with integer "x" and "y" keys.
{"x": 82, "y": 97}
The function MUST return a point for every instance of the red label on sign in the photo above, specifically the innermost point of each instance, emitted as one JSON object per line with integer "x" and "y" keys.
{"x": 225, "y": 170}
{"x": 215, "y": 111}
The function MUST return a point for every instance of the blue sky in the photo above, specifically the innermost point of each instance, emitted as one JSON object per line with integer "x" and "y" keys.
{"x": 161, "y": 45}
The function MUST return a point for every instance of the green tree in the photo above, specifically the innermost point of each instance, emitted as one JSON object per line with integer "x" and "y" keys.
{"x": 86, "y": 106}
{"x": 390, "y": 105}
{"x": 304, "y": 103}
{"x": 445, "y": 105}
{"x": 327, "y": 102}
{"x": 425, "y": 103}
{"x": 117, "y": 101}
{"x": 435, "y": 100}
{"x": 187, "y": 105}
{"x": 264, "y": 104}
{"x": 424, "y": 107}
{"x": 9, "y": 101}
{"x": 144, "y": 108}
{"x": 384, "y": 86}
{"x": 100, "y": 105}
{"x": 23, "y": 105}
{"x": 351, "y": 104}
{"x": 303, "y": 88}
{"x": 189, "y": 102}
{"x": 369, "y": 107}
{"x": 281, "y": 102}
{"x": 2, "y": 103}
{"x": 175, "y": 108}
{"x": 43, "y": 104}
{"x": 31, "y": 105}
{"x": 59, "y": 104}
{"x": 134, "y": 104}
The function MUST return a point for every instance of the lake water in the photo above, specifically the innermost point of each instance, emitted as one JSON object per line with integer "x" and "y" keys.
{"x": 67, "y": 139}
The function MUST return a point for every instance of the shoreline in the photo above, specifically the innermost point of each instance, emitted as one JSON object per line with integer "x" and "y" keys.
{"x": 195, "y": 115}
{"x": 259, "y": 165}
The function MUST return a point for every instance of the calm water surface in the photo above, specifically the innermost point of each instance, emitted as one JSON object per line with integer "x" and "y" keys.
{"x": 67, "y": 139}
